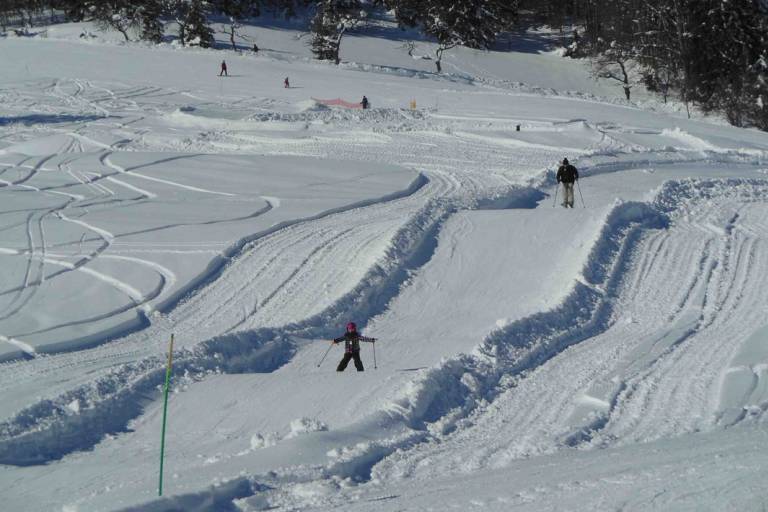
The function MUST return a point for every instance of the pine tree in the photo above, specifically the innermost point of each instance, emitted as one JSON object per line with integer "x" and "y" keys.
{"x": 152, "y": 28}
{"x": 119, "y": 15}
{"x": 74, "y": 10}
{"x": 198, "y": 30}
{"x": 331, "y": 22}
{"x": 728, "y": 58}
{"x": 236, "y": 10}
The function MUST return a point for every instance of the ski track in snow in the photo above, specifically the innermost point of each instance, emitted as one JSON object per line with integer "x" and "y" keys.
{"x": 597, "y": 371}
{"x": 532, "y": 389}
{"x": 623, "y": 385}
{"x": 242, "y": 307}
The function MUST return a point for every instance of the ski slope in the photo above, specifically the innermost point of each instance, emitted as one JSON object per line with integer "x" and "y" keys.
{"x": 529, "y": 357}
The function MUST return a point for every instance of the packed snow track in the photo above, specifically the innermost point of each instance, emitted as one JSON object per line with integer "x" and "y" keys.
{"x": 526, "y": 352}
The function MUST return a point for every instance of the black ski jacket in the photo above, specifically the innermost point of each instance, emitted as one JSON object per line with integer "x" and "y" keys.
{"x": 567, "y": 174}
{"x": 352, "y": 341}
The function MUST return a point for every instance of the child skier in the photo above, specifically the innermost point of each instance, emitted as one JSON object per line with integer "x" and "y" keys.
{"x": 351, "y": 340}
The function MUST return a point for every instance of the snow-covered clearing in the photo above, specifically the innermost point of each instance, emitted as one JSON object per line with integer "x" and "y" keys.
{"x": 529, "y": 357}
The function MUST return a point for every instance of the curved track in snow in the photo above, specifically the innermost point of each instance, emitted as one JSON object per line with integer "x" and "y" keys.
{"x": 642, "y": 348}
{"x": 680, "y": 315}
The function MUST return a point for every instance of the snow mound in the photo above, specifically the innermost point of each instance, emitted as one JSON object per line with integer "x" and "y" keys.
{"x": 259, "y": 441}
{"x": 311, "y": 106}
{"x": 690, "y": 141}
{"x": 302, "y": 426}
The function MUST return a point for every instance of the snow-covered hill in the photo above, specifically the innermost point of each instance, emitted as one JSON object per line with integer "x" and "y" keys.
{"x": 530, "y": 357}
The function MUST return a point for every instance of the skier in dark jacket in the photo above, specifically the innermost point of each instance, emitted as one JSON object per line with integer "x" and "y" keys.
{"x": 364, "y": 103}
{"x": 223, "y": 69}
{"x": 351, "y": 340}
{"x": 567, "y": 175}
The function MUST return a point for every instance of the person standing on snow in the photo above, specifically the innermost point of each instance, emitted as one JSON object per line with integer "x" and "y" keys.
{"x": 364, "y": 103}
{"x": 223, "y": 69}
{"x": 286, "y": 83}
{"x": 567, "y": 175}
{"x": 351, "y": 340}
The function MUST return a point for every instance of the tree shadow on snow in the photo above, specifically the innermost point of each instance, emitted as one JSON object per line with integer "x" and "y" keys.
{"x": 531, "y": 36}
{"x": 49, "y": 119}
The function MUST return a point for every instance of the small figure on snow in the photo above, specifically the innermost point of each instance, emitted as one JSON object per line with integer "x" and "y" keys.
{"x": 286, "y": 83}
{"x": 223, "y": 69}
{"x": 255, "y": 48}
{"x": 567, "y": 175}
{"x": 351, "y": 340}
{"x": 364, "y": 103}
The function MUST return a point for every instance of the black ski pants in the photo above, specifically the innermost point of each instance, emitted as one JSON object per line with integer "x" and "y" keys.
{"x": 345, "y": 361}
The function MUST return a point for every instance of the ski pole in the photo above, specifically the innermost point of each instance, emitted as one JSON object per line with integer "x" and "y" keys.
{"x": 557, "y": 187}
{"x": 165, "y": 414}
{"x": 582, "y": 197}
{"x": 326, "y": 353}
{"x": 374, "y": 355}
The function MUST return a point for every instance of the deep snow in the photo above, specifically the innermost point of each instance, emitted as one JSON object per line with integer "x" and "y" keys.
{"x": 530, "y": 357}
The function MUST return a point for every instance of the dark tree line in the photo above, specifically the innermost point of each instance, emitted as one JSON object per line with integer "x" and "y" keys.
{"x": 713, "y": 53}
{"x": 146, "y": 19}
{"x": 471, "y": 23}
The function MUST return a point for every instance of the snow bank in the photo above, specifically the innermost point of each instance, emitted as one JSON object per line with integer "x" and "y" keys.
{"x": 302, "y": 426}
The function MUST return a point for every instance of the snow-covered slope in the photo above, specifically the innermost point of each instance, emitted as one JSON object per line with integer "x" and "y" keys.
{"x": 527, "y": 353}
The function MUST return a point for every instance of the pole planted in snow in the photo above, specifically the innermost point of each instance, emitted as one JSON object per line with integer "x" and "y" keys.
{"x": 557, "y": 187}
{"x": 165, "y": 414}
{"x": 326, "y": 353}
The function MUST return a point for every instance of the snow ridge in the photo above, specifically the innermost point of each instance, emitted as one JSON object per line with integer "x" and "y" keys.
{"x": 48, "y": 430}
{"x": 451, "y": 391}
{"x": 445, "y": 398}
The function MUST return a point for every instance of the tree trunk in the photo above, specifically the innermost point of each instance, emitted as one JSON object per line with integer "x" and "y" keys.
{"x": 683, "y": 55}
{"x": 626, "y": 79}
{"x": 124, "y": 32}
{"x": 438, "y": 64}
{"x": 337, "y": 46}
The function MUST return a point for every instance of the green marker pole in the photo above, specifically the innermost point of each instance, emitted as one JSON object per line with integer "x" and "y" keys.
{"x": 165, "y": 413}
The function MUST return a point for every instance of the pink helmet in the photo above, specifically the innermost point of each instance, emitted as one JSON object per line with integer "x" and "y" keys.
{"x": 351, "y": 327}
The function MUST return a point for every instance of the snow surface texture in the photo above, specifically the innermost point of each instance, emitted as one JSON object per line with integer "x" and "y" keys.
{"x": 529, "y": 357}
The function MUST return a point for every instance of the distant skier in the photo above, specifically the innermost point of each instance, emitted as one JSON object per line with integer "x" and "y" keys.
{"x": 364, "y": 103}
{"x": 255, "y": 48}
{"x": 567, "y": 175}
{"x": 351, "y": 341}
{"x": 223, "y": 69}
{"x": 286, "y": 83}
